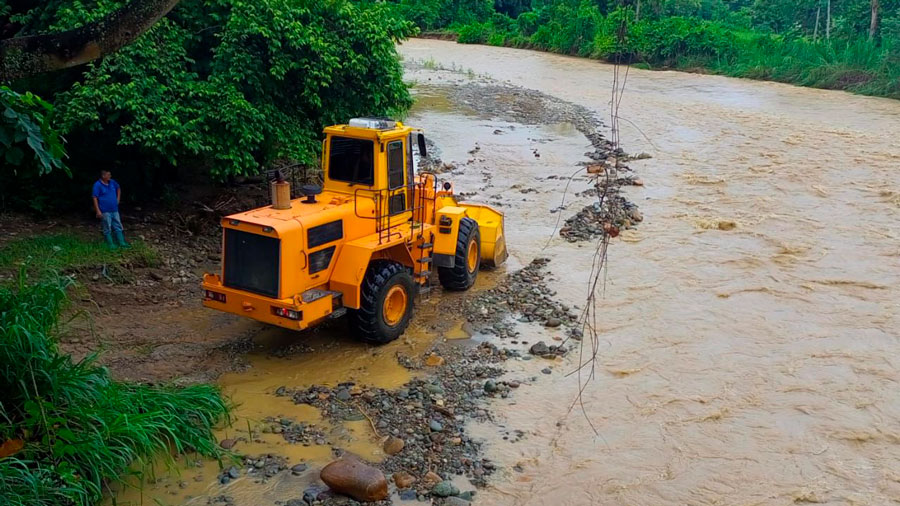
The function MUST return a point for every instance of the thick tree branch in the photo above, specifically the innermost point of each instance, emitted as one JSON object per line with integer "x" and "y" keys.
{"x": 26, "y": 56}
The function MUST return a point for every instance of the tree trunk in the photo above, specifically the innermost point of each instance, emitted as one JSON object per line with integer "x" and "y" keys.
{"x": 26, "y": 56}
{"x": 873, "y": 25}
{"x": 637, "y": 11}
{"x": 828, "y": 22}
{"x": 816, "y": 29}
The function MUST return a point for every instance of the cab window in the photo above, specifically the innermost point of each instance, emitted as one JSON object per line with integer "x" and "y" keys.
{"x": 395, "y": 165}
{"x": 352, "y": 160}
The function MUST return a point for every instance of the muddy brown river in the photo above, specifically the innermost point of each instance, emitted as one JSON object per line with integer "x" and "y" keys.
{"x": 757, "y": 365}
{"x": 748, "y": 334}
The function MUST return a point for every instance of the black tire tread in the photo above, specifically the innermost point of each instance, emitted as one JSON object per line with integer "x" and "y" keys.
{"x": 458, "y": 278}
{"x": 366, "y": 321}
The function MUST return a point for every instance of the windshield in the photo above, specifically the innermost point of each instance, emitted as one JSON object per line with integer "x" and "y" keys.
{"x": 352, "y": 160}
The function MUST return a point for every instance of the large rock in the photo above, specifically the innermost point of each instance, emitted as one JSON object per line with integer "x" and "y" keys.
{"x": 356, "y": 479}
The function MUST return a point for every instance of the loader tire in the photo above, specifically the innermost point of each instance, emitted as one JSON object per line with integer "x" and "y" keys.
{"x": 385, "y": 302}
{"x": 467, "y": 259}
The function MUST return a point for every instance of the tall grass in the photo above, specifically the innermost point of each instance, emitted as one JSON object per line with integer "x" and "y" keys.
{"x": 80, "y": 428}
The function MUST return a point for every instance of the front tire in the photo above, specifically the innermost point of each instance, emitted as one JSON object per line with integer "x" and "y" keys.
{"x": 385, "y": 302}
{"x": 467, "y": 259}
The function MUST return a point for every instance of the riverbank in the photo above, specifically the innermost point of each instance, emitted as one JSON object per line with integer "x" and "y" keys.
{"x": 860, "y": 66}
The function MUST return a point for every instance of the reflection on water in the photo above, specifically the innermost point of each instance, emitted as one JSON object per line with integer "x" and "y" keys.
{"x": 749, "y": 333}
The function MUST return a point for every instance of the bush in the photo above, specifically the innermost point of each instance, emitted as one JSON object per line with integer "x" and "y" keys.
{"x": 70, "y": 427}
{"x": 475, "y": 33}
{"x": 256, "y": 84}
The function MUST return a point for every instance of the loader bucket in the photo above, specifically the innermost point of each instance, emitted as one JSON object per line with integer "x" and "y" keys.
{"x": 490, "y": 224}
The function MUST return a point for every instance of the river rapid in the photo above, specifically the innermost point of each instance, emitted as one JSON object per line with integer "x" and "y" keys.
{"x": 748, "y": 330}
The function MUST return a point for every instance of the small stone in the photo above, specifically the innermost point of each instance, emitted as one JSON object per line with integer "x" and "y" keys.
{"x": 435, "y": 426}
{"x": 434, "y": 388}
{"x": 434, "y": 360}
{"x": 408, "y": 495}
{"x": 311, "y": 494}
{"x": 445, "y": 489}
{"x": 299, "y": 468}
{"x": 490, "y": 386}
{"x": 456, "y": 501}
{"x": 431, "y": 479}
{"x": 227, "y": 443}
{"x": 234, "y": 473}
{"x": 393, "y": 445}
{"x": 540, "y": 349}
{"x": 546, "y": 370}
{"x": 281, "y": 391}
{"x": 343, "y": 395}
{"x": 553, "y": 322}
{"x": 403, "y": 479}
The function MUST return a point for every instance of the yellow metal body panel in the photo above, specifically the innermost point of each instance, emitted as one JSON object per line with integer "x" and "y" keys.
{"x": 363, "y": 238}
{"x": 445, "y": 238}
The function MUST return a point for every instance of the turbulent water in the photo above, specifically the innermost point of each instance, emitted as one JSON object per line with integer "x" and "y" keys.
{"x": 748, "y": 346}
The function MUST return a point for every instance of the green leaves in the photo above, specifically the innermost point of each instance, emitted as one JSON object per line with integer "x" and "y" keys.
{"x": 232, "y": 85}
{"x": 26, "y": 120}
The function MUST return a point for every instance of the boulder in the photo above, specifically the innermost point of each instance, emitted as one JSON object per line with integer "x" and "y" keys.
{"x": 356, "y": 479}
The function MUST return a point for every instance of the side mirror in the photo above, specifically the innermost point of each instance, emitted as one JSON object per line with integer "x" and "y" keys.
{"x": 422, "y": 151}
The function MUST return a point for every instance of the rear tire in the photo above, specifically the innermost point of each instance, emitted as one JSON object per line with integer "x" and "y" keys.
{"x": 385, "y": 302}
{"x": 465, "y": 266}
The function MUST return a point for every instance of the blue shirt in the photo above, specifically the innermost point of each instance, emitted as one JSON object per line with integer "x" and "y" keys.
{"x": 106, "y": 196}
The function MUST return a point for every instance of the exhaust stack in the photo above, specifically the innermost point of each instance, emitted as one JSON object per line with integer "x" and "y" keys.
{"x": 281, "y": 195}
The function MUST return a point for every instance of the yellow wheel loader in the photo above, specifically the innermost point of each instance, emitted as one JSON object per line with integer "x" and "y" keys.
{"x": 362, "y": 244}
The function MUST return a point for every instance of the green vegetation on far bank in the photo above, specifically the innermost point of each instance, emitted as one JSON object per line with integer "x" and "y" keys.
{"x": 768, "y": 40}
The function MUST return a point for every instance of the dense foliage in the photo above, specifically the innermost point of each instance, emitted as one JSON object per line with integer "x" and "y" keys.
{"x": 790, "y": 41}
{"x": 66, "y": 428}
{"x": 223, "y": 87}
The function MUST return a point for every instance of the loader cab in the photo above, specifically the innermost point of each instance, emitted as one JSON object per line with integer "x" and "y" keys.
{"x": 372, "y": 158}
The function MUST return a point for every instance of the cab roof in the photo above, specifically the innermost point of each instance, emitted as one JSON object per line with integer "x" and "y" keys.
{"x": 393, "y": 129}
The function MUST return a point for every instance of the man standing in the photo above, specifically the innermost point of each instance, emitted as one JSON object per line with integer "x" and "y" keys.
{"x": 106, "y": 204}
